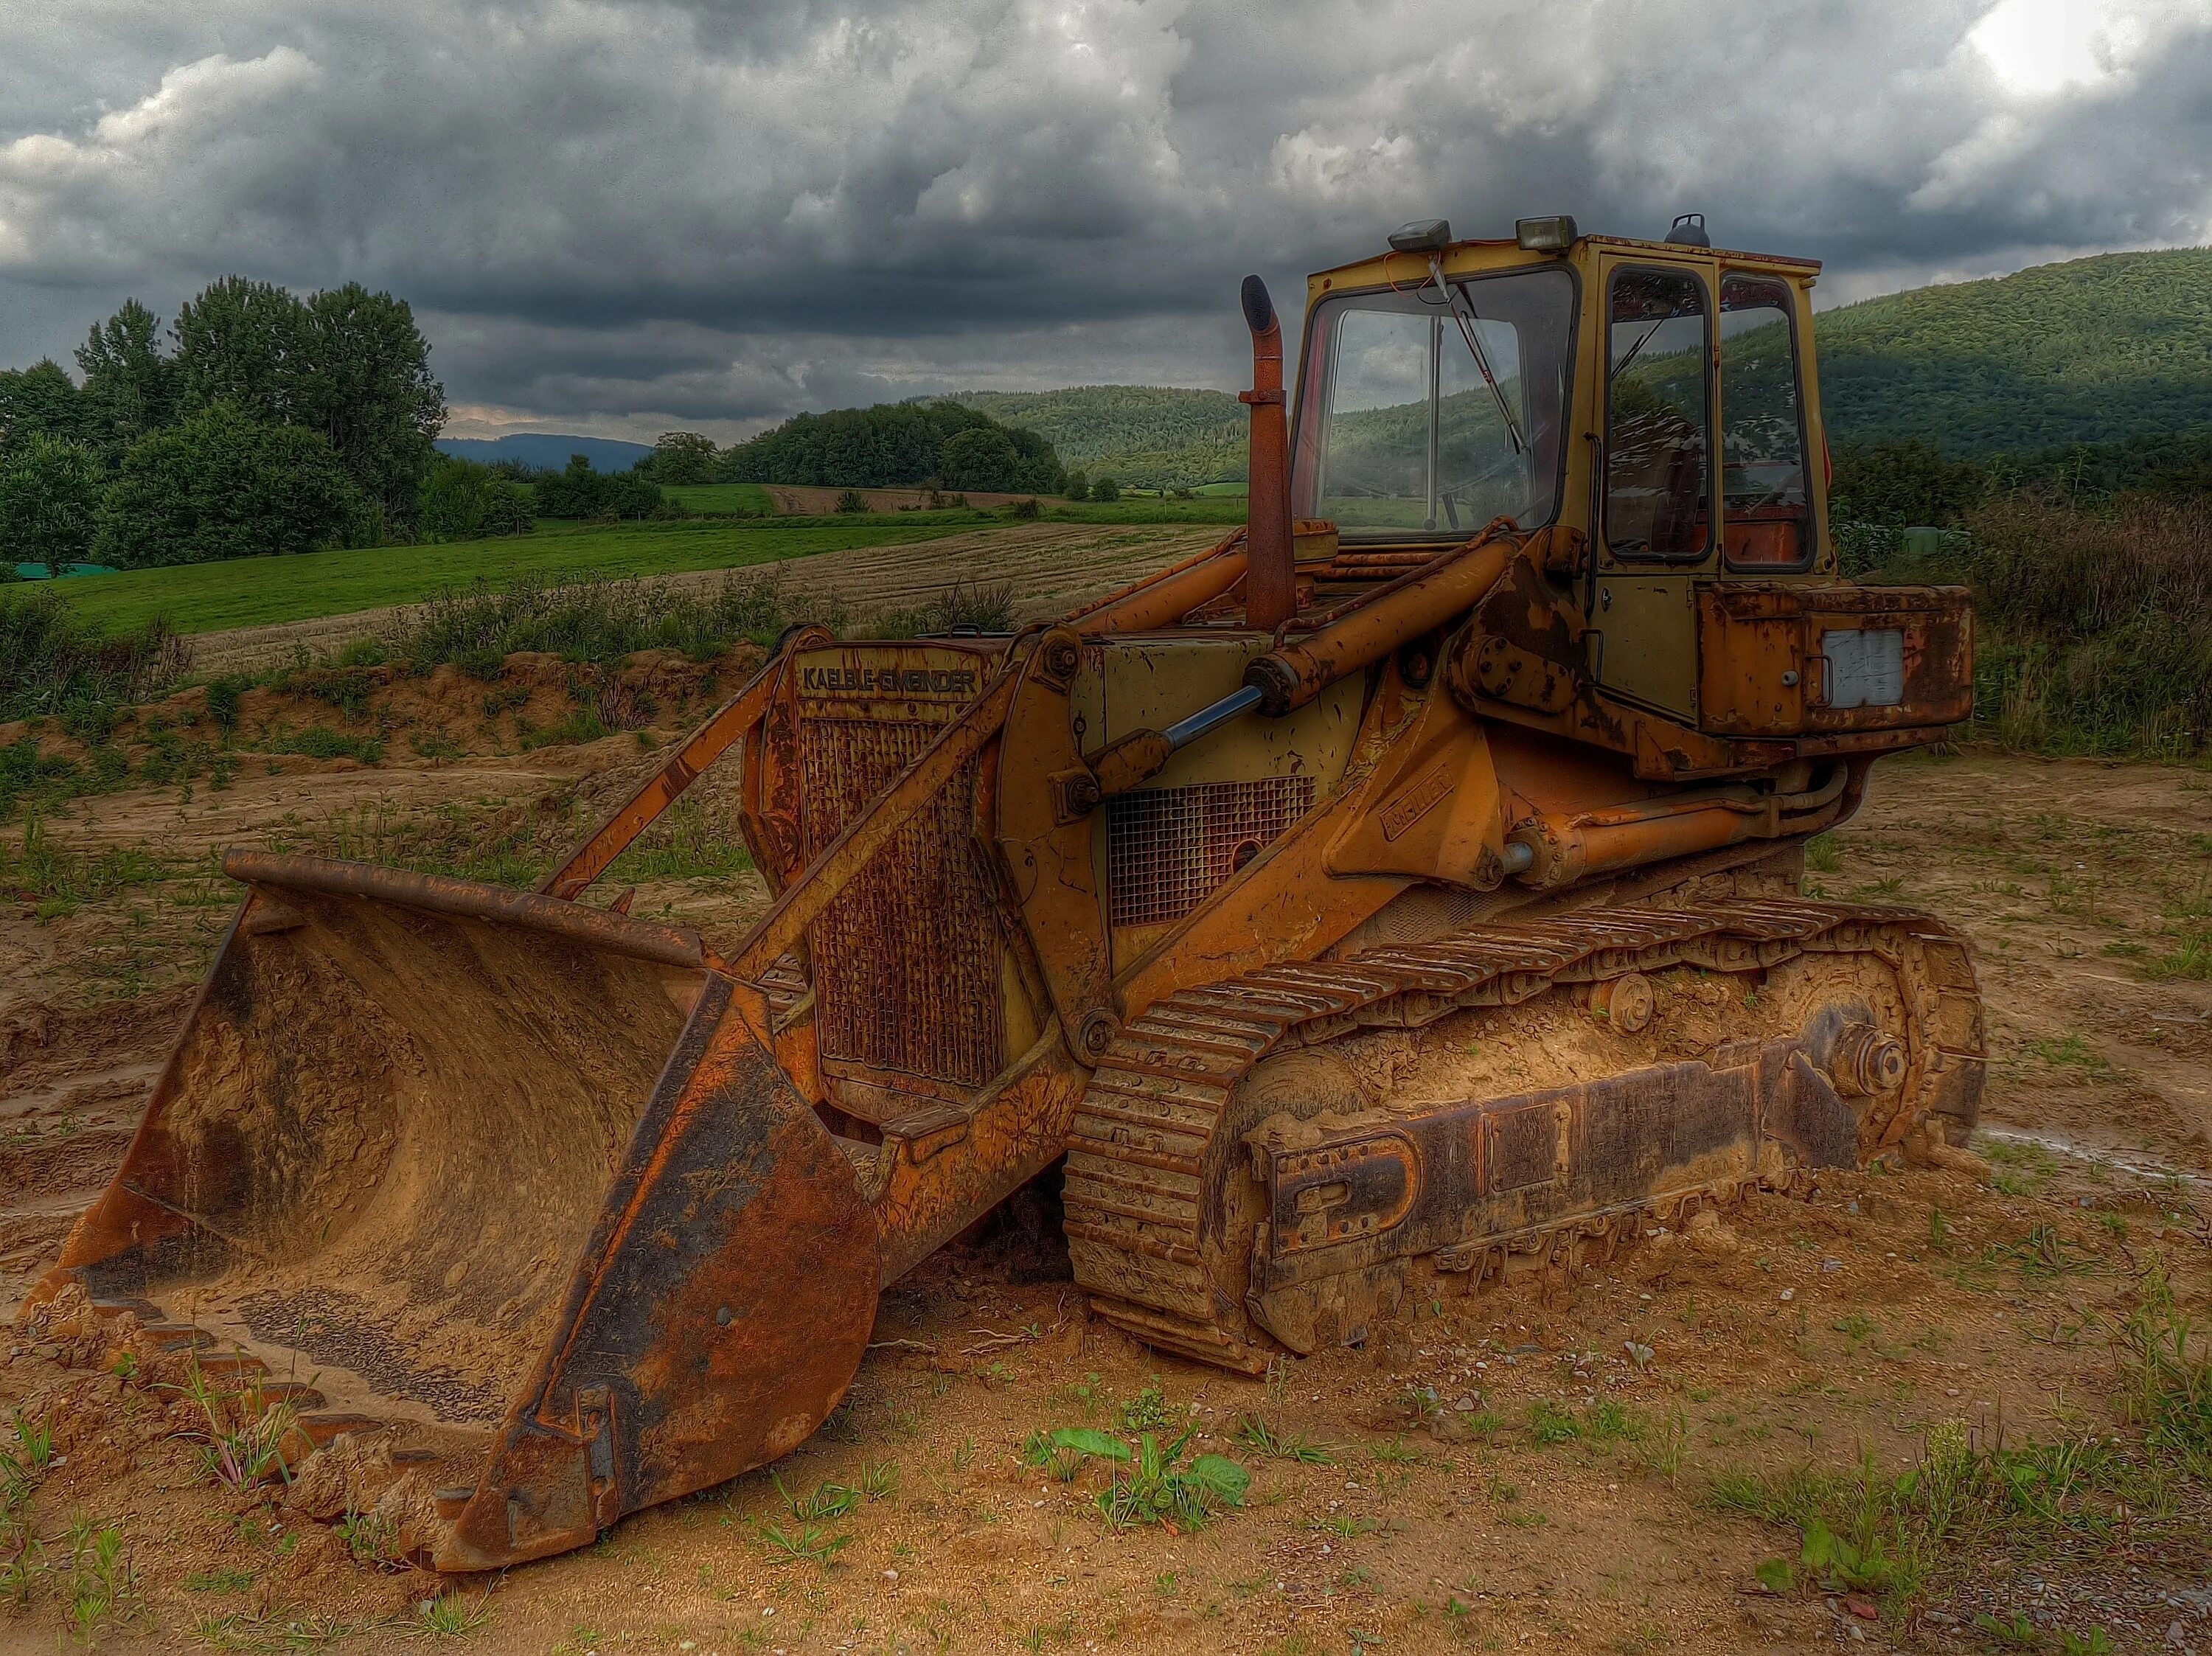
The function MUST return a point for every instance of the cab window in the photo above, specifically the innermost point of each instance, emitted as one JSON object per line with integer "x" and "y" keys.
{"x": 1767, "y": 514}
{"x": 1658, "y": 468}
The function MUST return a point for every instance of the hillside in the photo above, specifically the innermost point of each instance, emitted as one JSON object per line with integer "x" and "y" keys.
{"x": 2093, "y": 350}
{"x": 1153, "y": 435}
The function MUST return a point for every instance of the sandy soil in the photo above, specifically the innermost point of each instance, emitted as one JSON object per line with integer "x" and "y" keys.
{"x": 1051, "y": 567}
{"x": 1795, "y": 1334}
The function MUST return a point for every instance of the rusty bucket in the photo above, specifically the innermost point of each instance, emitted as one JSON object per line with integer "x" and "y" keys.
{"x": 510, "y": 1179}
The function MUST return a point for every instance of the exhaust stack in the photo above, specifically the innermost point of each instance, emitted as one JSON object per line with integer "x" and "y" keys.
{"x": 1270, "y": 589}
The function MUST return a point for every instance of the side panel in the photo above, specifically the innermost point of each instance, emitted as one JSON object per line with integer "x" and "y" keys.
{"x": 1785, "y": 659}
{"x": 1650, "y": 655}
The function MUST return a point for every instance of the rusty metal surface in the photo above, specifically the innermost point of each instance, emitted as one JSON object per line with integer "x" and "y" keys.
{"x": 906, "y": 959}
{"x": 1761, "y": 672}
{"x": 1495, "y": 1169}
{"x": 1148, "y": 1138}
{"x": 445, "y": 894}
{"x": 1270, "y": 579}
{"x": 1163, "y": 598}
{"x": 832, "y": 870}
{"x": 716, "y": 1317}
{"x": 473, "y": 1168}
{"x": 1292, "y": 674}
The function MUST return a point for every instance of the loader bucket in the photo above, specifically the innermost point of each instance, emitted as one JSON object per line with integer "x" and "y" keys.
{"x": 510, "y": 1181}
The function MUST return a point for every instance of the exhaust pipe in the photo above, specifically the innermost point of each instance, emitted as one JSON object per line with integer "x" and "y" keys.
{"x": 1270, "y": 584}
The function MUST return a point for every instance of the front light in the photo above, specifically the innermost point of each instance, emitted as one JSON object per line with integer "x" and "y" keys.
{"x": 1548, "y": 235}
{"x": 1421, "y": 236}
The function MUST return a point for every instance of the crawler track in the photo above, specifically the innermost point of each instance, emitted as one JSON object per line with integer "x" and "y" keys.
{"x": 1137, "y": 1192}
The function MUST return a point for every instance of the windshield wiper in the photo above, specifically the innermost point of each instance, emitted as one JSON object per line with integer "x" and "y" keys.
{"x": 1621, "y": 367}
{"x": 1463, "y": 314}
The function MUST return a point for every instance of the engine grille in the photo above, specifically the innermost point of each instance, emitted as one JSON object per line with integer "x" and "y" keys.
{"x": 906, "y": 959}
{"x": 1168, "y": 850}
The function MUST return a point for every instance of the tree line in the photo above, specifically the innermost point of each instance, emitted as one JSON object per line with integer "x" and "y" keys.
{"x": 259, "y": 422}
{"x": 937, "y": 445}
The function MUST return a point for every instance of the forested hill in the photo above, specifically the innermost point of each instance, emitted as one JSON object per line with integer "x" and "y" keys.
{"x": 2095, "y": 350}
{"x": 1150, "y": 434}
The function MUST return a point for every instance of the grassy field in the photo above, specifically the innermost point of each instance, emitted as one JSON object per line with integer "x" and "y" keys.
{"x": 206, "y": 597}
{"x": 209, "y": 597}
{"x": 722, "y": 497}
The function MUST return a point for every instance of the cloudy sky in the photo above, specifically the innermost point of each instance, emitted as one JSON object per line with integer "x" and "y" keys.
{"x": 617, "y": 216}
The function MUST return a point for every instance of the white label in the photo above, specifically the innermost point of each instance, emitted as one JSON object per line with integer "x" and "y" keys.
{"x": 1866, "y": 668}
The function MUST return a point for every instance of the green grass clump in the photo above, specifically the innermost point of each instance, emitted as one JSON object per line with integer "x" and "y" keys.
{"x": 58, "y": 879}
{"x": 586, "y": 620}
{"x": 684, "y": 842}
{"x": 1895, "y": 1534}
{"x": 55, "y": 660}
{"x": 321, "y": 742}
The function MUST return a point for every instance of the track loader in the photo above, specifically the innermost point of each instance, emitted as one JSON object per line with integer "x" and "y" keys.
{"x": 1405, "y": 891}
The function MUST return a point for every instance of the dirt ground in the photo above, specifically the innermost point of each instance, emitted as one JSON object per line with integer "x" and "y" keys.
{"x": 1557, "y": 1463}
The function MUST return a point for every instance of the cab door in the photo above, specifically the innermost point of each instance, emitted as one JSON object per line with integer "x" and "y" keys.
{"x": 1656, "y": 518}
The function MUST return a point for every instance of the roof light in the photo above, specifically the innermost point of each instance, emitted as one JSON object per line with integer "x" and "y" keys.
{"x": 1421, "y": 236}
{"x": 1554, "y": 235}
{"x": 1689, "y": 230}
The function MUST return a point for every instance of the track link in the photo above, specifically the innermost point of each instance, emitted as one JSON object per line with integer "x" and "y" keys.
{"x": 1135, "y": 1187}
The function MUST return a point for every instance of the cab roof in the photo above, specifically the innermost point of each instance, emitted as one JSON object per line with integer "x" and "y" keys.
{"x": 1389, "y": 267}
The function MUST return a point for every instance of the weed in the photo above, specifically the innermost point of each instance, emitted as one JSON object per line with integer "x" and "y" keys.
{"x": 451, "y": 1614}
{"x": 1399, "y": 1452}
{"x": 805, "y": 1544}
{"x": 242, "y": 1441}
{"x": 1549, "y": 1423}
{"x": 373, "y": 1537}
{"x": 879, "y": 1479}
{"x": 2167, "y": 1385}
{"x": 1662, "y": 1451}
{"x": 2069, "y": 1051}
{"x": 1157, "y": 1488}
{"x": 1148, "y": 1410}
{"x": 321, "y": 742}
{"x": 102, "y": 1586}
{"x": 226, "y": 1579}
{"x": 37, "y": 1442}
{"x": 1345, "y": 1525}
{"x": 827, "y": 1500}
{"x": 1256, "y": 1433}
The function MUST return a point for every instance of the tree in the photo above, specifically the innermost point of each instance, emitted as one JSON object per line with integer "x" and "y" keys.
{"x": 981, "y": 457}
{"x": 129, "y": 387}
{"x": 49, "y": 496}
{"x": 363, "y": 380}
{"x": 219, "y": 484}
{"x": 577, "y": 491}
{"x": 463, "y": 501}
{"x": 242, "y": 342}
{"x": 1079, "y": 487}
{"x": 1106, "y": 488}
{"x": 39, "y": 399}
{"x": 891, "y": 445}
{"x": 680, "y": 457}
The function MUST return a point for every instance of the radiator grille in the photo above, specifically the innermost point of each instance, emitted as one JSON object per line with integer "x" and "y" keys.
{"x": 1168, "y": 850}
{"x": 906, "y": 959}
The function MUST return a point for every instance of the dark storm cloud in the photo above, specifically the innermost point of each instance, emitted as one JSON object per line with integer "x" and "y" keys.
{"x": 628, "y": 212}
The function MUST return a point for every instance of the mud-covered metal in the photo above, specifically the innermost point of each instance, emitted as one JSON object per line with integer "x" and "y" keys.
{"x": 1160, "y": 1144}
